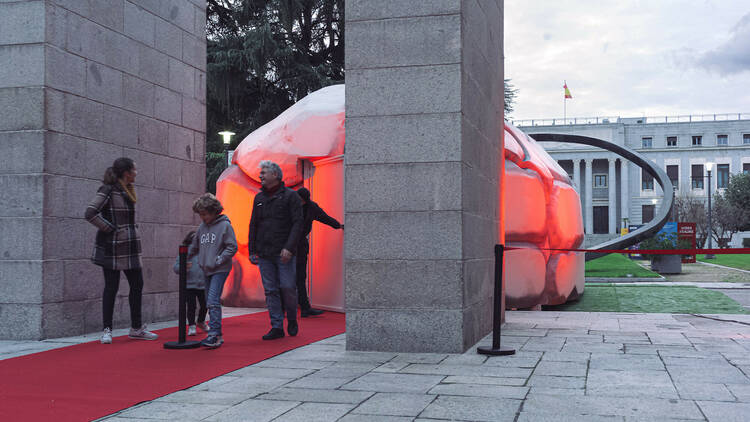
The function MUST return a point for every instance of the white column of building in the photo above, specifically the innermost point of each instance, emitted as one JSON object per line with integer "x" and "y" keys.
{"x": 612, "y": 190}
{"x": 625, "y": 189}
{"x": 589, "y": 218}
{"x": 577, "y": 175}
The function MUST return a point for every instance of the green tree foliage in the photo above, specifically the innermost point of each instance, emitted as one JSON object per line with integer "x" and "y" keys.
{"x": 727, "y": 219}
{"x": 263, "y": 56}
{"x": 510, "y": 97}
{"x": 738, "y": 195}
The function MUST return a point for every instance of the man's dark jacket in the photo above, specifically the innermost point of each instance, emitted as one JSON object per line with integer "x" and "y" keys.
{"x": 311, "y": 211}
{"x": 276, "y": 222}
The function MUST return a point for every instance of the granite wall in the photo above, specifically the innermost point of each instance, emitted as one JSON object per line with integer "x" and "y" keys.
{"x": 424, "y": 122}
{"x": 83, "y": 82}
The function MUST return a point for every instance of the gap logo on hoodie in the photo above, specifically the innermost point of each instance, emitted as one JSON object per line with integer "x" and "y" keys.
{"x": 208, "y": 238}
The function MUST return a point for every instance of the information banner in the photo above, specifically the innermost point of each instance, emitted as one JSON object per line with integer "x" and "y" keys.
{"x": 686, "y": 231}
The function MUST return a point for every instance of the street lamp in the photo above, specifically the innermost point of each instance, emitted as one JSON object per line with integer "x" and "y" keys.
{"x": 709, "y": 166}
{"x": 227, "y": 138}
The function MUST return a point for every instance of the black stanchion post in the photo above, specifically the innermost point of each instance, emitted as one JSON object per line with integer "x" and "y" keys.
{"x": 181, "y": 343}
{"x": 496, "y": 350}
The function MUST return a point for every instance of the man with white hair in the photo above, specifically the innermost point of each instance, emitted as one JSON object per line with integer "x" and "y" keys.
{"x": 275, "y": 228}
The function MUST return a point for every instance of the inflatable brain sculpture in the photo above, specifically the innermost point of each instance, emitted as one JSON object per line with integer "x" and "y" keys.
{"x": 542, "y": 212}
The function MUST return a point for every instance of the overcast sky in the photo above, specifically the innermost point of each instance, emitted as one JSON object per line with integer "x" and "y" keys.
{"x": 629, "y": 57}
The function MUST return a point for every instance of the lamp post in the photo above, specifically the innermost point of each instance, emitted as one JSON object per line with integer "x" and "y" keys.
{"x": 709, "y": 166}
{"x": 227, "y": 138}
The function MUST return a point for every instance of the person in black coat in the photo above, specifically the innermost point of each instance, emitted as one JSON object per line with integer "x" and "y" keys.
{"x": 310, "y": 212}
{"x": 275, "y": 229}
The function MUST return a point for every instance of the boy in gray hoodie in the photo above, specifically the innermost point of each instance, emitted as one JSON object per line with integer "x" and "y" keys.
{"x": 215, "y": 244}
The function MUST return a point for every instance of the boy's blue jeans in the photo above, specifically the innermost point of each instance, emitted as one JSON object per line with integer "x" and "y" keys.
{"x": 214, "y": 286}
{"x": 279, "y": 283}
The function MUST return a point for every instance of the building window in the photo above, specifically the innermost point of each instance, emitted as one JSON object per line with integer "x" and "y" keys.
{"x": 697, "y": 140}
{"x": 647, "y": 213}
{"x": 647, "y": 142}
{"x": 746, "y": 138}
{"x": 671, "y": 141}
{"x": 673, "y": 172}
{"x": 600, "y": 180}
{"x": 746, "y": 168}
{"x": 722, "y": 140}
{"x": 722, "y": 175}
{"x": 647, "y": 180}
{"x": 696, "y": 175}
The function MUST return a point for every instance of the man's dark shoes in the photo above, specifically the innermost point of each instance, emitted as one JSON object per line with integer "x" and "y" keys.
{"x": 292, "y": 328}
{"x": 274, "y": 334}
{"x": 311, "y": 312}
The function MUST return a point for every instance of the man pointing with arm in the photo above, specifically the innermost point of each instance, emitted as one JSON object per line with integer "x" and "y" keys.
{"x": 311, "y": 211}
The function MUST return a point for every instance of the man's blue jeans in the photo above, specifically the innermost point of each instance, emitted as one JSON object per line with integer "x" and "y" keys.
{"x": 214, "y": 286}
{"x": 279, "y": 283}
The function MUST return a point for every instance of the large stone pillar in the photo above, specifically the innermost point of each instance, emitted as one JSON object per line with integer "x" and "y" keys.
{"x": 81, "y": 84}
{"x": 424, "y": 98}
{"x": 589, "y": 186}
{"x": 612, "y": 191}
{"x": 577, "y": 175}
{"x": 625, "y": 189}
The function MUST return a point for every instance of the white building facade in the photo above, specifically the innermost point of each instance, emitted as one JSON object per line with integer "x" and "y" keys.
{"x": 616, "y": 193}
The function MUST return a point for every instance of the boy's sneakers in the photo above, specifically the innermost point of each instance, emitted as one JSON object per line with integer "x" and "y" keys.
{"x": 191, "y": 330}
{"x": 203, "y": 326}
{"x": 142, "y": 334}
{"x": 107, "y": 336}
{"x": 274, "y": 334}
{"x": 212, "y": 341}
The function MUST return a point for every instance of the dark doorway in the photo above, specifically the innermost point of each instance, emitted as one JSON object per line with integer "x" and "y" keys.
{"x": 647, "y": 213}
{"x": 601, "y": 220}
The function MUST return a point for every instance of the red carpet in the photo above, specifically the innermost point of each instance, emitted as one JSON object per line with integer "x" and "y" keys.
{"x": 91, "y": 380}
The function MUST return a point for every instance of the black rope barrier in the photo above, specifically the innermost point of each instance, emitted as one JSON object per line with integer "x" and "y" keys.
{"x": 181, "y": 343}
{"x": 496, "y": 349}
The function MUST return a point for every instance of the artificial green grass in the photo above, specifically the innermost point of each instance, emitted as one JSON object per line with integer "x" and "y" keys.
{"x": 616, "y": 265}
{"x": 735, "y": 261}
{"x": 651, "y": 299}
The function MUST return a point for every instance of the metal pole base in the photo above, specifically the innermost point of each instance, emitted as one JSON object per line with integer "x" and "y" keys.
{"x": 190, "y": 344}
{"x": 500, "y": 351}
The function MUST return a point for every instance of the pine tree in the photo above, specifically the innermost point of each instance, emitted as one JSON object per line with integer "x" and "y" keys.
{"x": 510, "y": 97}
{"x": 263, "y": 56}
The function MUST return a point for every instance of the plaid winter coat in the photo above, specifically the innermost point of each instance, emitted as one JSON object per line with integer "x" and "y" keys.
{"x": 117, "y": 246}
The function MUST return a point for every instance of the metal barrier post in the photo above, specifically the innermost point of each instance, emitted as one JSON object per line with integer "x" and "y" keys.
{"x": 181, "y": 343}
{"x": 496, "y": 350}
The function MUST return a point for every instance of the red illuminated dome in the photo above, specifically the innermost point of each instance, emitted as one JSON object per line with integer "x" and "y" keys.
{"x": 542, "y": 210}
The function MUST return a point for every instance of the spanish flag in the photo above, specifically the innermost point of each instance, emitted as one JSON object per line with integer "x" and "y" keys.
{"x": 567, "y": 91}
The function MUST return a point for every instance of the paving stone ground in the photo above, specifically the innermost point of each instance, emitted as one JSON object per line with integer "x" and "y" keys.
{"x": 569, "y": 366}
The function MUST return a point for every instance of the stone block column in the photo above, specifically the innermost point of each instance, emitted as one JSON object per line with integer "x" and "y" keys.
{"x": 577, "y": 175}
{"x": 424, "y": 117}
{"x": 81, "y": 84}
{"x": 589, "y": 186}
{"x": 612, "y": 191}
{"x": 625, "y": 190}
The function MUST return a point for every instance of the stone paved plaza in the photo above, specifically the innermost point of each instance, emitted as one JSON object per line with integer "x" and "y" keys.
{"x": 569, "y": 366}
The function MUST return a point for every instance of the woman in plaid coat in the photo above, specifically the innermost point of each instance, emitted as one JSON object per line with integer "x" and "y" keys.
{"x": 118, "y": 247}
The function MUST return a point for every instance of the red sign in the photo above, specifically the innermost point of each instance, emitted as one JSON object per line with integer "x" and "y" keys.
{"x": 686, "y": 231}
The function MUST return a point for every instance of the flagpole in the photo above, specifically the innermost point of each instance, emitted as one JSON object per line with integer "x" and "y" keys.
{"x": 565, "y": 104}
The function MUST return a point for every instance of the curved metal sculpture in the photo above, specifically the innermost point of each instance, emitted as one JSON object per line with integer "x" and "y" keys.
{"x": 662, "y": 215}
